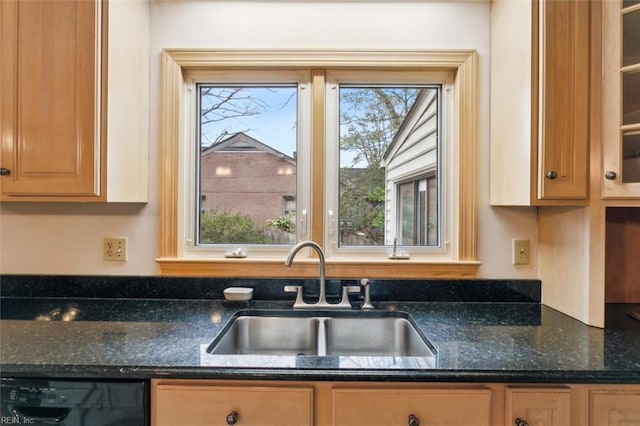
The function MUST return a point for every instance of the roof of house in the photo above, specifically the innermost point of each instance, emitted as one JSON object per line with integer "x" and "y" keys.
{"x": 241, "y": 142}
{"x": 404, "y": 131}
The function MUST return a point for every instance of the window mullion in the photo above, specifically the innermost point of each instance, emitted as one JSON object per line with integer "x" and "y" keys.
{"x": 318, "y": 77}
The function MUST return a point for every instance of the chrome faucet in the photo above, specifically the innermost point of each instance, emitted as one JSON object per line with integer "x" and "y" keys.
{"x": 322, "y": 298}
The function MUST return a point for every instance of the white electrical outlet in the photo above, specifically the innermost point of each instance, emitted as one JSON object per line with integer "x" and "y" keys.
{"x": 520, "y": 252}
{"x": 114, "y": 248}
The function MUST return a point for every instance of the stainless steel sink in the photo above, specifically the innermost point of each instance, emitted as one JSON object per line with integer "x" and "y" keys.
{"x": 387, "y": 336}
{"x": 268, "y": 335}
{"x": 322, "y": 334}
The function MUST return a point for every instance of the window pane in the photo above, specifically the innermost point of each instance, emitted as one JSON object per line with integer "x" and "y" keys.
{"x": 422, "y": 212}
{"x": 407, "y": 215}
{"x": 631, "y": 97}
{"x": 432, "y": 212}
{"x": 631, "y": 157}
{"x": 631, "y": 38}
{"x": 389, "y": 136}
{"x": 247, "y": 164}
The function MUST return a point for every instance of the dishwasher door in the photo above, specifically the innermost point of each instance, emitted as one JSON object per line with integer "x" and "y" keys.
{"x": 74, "y": 403}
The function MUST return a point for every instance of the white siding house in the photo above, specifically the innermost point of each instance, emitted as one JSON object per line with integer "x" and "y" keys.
{"x": 411, "y": 161}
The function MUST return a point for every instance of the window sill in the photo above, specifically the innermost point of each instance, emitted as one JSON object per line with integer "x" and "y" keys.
{"x": 274, "y": 268}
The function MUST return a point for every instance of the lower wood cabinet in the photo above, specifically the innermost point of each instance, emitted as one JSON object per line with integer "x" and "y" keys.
{"x": 528, "y": 406}
{"x": 282, "y": 403}
{"x": 413, "y": 407}
{"x": 614, "y": 407}
{"x": 198, "y": 404}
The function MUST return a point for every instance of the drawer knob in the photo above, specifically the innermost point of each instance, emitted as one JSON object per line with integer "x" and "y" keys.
{"x": 610, "y": 175}
{"x": 521, "y": 422}
{"x": 4, "y": 172}
{"x": 551, "y": 175}
{"x": 232, "y": 418}
{"x": 413, "y": 420}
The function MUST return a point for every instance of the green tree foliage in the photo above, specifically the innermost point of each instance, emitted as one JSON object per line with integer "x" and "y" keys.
{"x": 370, "y": 118}
{"x": 362, "y": 202}
{"x": 224, "y": 228}
{"x": 283, "y": 223}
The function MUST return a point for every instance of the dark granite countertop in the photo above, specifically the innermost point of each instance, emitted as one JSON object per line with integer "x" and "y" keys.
{"x": 150, "y": 327}
{"x": 150, "y": 338}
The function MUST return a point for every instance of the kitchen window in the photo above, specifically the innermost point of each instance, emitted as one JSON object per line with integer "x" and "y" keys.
{"x": 381, "y": 153}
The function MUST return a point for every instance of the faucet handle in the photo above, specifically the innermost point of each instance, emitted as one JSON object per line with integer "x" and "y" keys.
{"x": 298, "y": 290}
{"x": 344, "y": 303}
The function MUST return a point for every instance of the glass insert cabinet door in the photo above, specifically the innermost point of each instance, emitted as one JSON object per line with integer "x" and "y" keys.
{"x": 631, "y": 93}
{"x": 621, "y": 97}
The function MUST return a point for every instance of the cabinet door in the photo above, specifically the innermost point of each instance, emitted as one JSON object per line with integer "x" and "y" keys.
{"x": 621, "y": 99}
{"x": 614, "y": 408}
{"x": 563, "y": 99}
{"x": 404, "y": 406}
{"x": 177, "y": 405}
{"x": 48, "y": 107}
{"x": 539, "y": 102}
{"x": 538, "y": 406}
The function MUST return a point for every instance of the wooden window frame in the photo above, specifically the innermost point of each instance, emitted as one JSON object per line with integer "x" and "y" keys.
{"x": 463, "y": 64}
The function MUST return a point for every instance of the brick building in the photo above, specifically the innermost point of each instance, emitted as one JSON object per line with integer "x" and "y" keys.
{"x": 242, "y": 175}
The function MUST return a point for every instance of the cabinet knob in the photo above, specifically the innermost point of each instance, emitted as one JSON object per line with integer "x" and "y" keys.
{"x": 610, "y": 175}
{"x": 521, "y": 422}
{"x": 413, "y": 420}
{"x": 551, "y": 175}
{"x": 232, "y": 418}
{"x": 4, "y": 172}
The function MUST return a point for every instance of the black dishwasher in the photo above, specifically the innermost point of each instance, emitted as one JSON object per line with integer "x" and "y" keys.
{"x": 74, "y": 403}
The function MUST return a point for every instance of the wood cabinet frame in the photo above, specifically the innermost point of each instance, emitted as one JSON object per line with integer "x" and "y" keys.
{"x": 540, "y": 103}
{"x": 106, "y": 157}
{"x": 583, "y": 403}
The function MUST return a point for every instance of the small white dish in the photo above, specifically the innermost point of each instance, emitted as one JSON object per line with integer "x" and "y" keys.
{"x": 238, "y": 294}
{"x": 236, "y": 254}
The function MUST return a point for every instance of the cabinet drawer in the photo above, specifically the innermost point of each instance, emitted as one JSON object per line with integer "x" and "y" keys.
{"x": 395, "y": 406}
{"x": 255, "y": 406}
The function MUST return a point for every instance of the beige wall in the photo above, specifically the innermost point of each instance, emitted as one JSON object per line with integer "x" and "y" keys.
{"x": 67, "y": 239}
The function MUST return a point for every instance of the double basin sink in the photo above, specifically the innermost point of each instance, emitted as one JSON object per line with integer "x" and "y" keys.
{"x": 356, "y": 338}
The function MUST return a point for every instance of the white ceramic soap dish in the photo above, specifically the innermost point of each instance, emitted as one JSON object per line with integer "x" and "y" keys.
{"x": 238, "y": 294}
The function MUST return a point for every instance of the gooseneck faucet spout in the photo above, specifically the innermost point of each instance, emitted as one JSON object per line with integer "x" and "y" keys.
{"x": 322, "y": 301}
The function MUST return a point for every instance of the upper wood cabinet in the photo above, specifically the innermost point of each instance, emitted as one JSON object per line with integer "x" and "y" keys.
{"x": 74, "y": 104}
{"x": 539, "y": 102}
{"x": 621, "y": 99}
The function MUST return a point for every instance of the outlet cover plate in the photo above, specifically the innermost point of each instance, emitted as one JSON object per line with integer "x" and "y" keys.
{"x": 114, "y": 248}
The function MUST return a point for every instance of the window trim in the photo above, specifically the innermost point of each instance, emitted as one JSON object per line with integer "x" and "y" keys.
{"x": 463, "y": 63}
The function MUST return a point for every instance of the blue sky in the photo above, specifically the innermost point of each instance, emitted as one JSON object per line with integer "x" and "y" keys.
{"x": 274, "y": 125}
